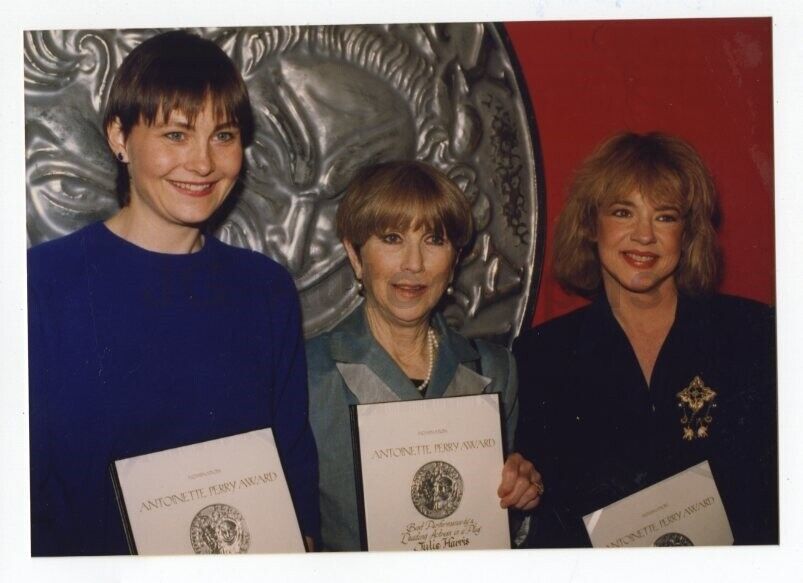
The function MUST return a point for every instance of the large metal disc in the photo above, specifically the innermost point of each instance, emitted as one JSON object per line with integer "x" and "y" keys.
{"x": 327, "y": 100}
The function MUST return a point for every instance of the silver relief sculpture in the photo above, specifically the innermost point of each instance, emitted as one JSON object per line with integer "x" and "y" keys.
{"x": 327, "y": 100}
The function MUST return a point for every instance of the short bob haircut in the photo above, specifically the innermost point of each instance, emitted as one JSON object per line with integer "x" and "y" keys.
{"x": 399, "y": 195}
{"x": 665, "y": 169}
{"x": 175, "y": 71}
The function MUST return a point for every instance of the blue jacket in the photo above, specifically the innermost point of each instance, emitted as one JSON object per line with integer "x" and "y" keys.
{"x": 347, "y": 366}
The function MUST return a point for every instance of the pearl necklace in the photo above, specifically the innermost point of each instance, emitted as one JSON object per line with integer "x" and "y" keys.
{"x": 432, "y": 346}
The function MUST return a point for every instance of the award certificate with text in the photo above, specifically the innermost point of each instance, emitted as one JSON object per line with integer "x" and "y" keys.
{"x": 683, "y": 510}
{"x": 427, "y": 474}
{"x": 224, "y": 496}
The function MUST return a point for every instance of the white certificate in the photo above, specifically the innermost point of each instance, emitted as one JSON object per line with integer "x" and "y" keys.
{"x": 223, "y": 496}
{"x": 684, "y": 510}
{"x": 428, "y": 472}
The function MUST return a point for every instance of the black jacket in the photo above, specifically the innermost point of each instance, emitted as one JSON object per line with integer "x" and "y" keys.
{"x": 598, "y": 433}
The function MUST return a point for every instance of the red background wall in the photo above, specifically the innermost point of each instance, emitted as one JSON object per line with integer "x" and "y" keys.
{"x": 707, "y": 81}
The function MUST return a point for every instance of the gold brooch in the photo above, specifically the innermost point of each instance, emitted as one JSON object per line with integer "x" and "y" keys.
{"x": 696, "y": 401}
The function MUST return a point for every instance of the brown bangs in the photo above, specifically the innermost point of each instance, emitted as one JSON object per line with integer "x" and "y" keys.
{"x": 407, "y": 210}
{"x": 178, "y": 71}
{"x": 229, "y": 103}
{"x": 397, "y": 196}
{"x": 660, "y": 185}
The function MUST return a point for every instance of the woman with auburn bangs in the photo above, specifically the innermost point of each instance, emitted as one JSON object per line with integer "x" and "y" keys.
{"x": 605, "y": 407}
{"x": 145, "y": 332}
{"x": 403, "y": 225}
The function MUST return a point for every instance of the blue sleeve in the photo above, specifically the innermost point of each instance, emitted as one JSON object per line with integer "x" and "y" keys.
{"x": 291, "y": 405}
{"x": 37, "y": 424}
{"x": 46, "y": 530}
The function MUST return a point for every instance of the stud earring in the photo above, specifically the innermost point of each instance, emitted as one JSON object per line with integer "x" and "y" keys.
{"x": 449, "y": 290}
{"x": 360, "y": 287}
{"x": 120, "y": 156}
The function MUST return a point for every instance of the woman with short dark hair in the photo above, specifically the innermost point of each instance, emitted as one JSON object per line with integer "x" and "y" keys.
{"x": 609, "y": 393}
{"x": 157, "y": 80}
{"x": 145, "y": 332}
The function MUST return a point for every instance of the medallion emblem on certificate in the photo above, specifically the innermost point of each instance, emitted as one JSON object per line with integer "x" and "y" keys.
{"x": 673, "y": 539}
{"x": 437, "y": 489}
{"x": 219, "y": 529}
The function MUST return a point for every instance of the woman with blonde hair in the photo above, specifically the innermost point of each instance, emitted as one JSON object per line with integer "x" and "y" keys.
{"x": 659, "y": 373}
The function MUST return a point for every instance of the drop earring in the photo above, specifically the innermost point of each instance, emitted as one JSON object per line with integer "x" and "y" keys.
{"x": 120, "y": 157}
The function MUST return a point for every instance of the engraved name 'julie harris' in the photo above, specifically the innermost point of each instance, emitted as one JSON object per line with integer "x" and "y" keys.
{"x": 219, "y": 529}
{"x": 437, "y": 489}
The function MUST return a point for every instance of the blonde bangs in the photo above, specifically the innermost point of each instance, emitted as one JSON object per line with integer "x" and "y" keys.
{"x": 659, "y": 184}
